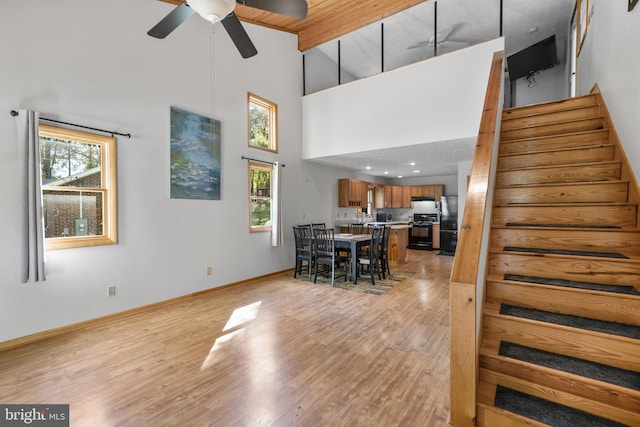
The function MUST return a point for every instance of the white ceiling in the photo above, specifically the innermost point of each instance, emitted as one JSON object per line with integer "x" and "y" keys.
{"x": 408, "y": 38}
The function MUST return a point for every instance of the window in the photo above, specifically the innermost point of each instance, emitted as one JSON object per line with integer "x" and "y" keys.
{"x": 263, "y": 124}
{"x": 78, "y": 188}
{"x": 259, "y": 197}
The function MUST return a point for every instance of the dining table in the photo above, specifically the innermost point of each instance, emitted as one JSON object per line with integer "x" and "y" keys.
{"x": 354, "y": 242}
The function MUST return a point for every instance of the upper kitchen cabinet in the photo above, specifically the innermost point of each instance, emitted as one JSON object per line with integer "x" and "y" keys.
{"x": 352, "y": 193}
{"x": 406, "y": 197}
{"x": 434, "y": 191}
{"x": 396, "y": 196}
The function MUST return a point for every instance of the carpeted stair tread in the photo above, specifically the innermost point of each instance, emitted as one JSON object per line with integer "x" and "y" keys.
{"x": 565, "y": 252}
{"x": 613, "y": 328}
{"x": 546, "y": 411}
{"x": 626, "y": 290}
{"x": 573, "y": 365}
{"x": 523, "y": 224}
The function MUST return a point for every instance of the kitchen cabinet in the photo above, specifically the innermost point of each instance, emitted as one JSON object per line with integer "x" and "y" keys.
{"x": 387, "y": 196}
{"x": 436, "y": 236}
{"x": 365, "y": 194}
{"x": 396, "y": 196}
{"x": 434, "y": 191}
{"x": 378, "y": 197}
{"x": 398, "y": 241}
{"x": 406, "y": 197}
{"x": 350, "y": 193}
{"x": 439, "y": 191}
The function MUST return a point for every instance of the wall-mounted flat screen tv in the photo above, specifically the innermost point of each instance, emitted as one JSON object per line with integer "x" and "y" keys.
{"x": 536, "y": 57}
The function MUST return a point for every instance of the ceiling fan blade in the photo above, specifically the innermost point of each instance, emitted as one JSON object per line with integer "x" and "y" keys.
{"x": 170, "y": 22}
{"x": 239, "y": 36}
{"x": 293, "y": 8}
{"x": 448, "y": 32}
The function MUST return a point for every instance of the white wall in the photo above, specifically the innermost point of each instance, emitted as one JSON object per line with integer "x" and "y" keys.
{"x": 91, "y": 62}
{"x": 439, "y": 99}
{"x": 548, "y": 85}
{"x": 610, "y": 57}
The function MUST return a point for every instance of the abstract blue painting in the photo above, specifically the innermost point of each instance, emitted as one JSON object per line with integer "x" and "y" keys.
{"x": 195, "y": 156}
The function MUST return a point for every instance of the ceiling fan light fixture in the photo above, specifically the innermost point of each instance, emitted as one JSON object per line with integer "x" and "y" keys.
{"x": 212, "y": 10}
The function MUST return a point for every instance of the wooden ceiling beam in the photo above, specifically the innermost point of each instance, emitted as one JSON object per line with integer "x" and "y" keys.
{"x": 326, "y": 20}
{"x": 345, "y": 17}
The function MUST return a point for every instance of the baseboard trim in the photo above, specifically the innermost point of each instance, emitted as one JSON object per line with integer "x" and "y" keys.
{"x": 50, "y": 333}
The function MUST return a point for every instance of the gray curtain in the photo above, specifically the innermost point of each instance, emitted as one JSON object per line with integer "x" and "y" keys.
{"x": 277, "y": 235}
{"x": 32, "y": 244}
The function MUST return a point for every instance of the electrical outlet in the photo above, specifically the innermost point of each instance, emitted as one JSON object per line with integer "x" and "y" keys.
{"x": 209, "y": 271}
{"x": 111, "y": 291}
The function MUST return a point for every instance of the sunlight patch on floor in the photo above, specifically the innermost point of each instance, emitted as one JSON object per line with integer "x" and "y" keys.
{"x": 235, "y": 325}
{"x": 243, "y": 315}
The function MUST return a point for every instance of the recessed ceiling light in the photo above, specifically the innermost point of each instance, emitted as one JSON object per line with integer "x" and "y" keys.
{"x": 532, "y": 30}
{"x": 412, "y": 163}
{"x": 416, "y": 171}
{"x": 386, "y": 173}
{"x": 399, "y": 176}
{"x": 367, "y": 167}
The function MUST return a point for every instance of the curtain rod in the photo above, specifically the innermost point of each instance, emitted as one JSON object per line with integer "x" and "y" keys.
{"x": 261, "y": 161}
{"x": 14, "y": 113}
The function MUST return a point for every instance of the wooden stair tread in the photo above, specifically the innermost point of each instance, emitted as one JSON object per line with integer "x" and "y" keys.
{"x": 557, "y": 136}
{"x": 549, "y": 117}
{"x": 507, "y": 116}
{"x": 604, "y": 271}
{"x": 565, "y": 380}
{"x": 560, "y": 105}
{"x": 565, "y": 165}
{"x": 593, "y": 302}
{"x": 632, "y": 230}
{"x": 491, "y": 416}
{"x": 557, "y": 151}
{"x": 565, "y": 256}
{"x": 566, "y": 238}
{"x": 563, "y": 398}
{"x": 599, "y": 347}
{"x": 560, "y": 184}
{"x": 595, "y": 290}
{"x": 560, "y": 122}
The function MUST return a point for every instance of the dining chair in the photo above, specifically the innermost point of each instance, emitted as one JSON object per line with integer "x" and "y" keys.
{"x": 318, "y": 225}
{"x": 355, "y": 228}
{"x": 325, "y": 254}
{"x": 372, "y": 259}
{"x": 384, "y": 252}
{"x": 304, "y": 249}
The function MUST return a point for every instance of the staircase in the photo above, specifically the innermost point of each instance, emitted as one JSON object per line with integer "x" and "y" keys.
{"x": 561, "y": 323}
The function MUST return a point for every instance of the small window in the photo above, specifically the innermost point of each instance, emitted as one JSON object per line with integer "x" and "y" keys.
{"x": 263, "y": 124}
{"x": 259, "y": 197}
{"x": 78, "y": 188}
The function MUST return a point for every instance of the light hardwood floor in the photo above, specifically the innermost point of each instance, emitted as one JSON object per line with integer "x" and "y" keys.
{"x": 278, "y": 352}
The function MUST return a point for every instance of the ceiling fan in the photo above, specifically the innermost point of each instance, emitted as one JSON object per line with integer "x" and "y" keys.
{"x": 222, "y": 10}
{"x": 443, "y": 41}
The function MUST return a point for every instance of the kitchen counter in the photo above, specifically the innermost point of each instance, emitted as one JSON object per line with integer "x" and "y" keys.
{"x": 393, "y": 224}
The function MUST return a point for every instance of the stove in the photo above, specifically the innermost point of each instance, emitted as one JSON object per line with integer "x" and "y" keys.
{"x": 421, "y": 233}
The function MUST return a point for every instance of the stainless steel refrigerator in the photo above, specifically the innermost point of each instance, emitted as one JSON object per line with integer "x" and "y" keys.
{"x": 448, "y": 224}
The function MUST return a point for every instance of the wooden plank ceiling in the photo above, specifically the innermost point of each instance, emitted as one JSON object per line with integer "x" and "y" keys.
{"x": 326, "y": 19}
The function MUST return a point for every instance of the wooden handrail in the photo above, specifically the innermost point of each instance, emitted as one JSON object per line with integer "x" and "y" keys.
{"x": 466, "y": 264}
